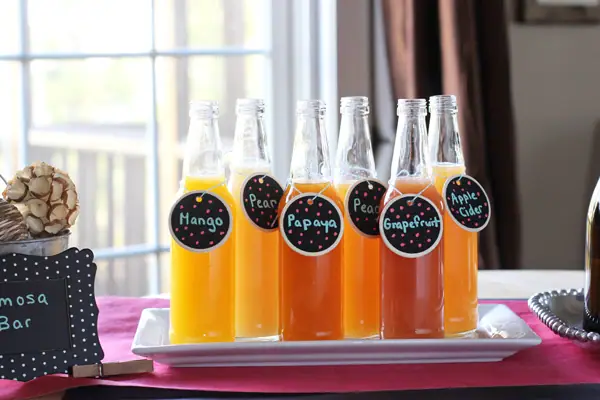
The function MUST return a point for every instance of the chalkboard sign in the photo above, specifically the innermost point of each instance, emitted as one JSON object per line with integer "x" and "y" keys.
{"x": 48, "y": 314}
{"x": 362, "y": 204}
{"x": 200, "y": 221}
{"x": 311, "y": 224}
{"x": 261, "y": 194}
{"x": 411, "y": 226}
{"x": 467, "y": 203}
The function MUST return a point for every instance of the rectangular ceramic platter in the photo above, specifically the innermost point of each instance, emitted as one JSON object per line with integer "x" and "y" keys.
{"x": 501, "y": 333}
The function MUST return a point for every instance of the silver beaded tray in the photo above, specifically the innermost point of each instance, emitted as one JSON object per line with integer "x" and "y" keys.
{"x": 562, "y": 312}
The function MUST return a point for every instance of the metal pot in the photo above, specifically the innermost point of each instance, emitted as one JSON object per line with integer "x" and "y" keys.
{"x": 49, "y": 246}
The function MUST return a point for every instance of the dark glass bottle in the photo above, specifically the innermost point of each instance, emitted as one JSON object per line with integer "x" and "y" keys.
{"x": 591, "y": 315}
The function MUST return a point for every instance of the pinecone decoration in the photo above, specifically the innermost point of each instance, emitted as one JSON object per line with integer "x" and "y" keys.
{"x": 46, "y": 197}
{"x": 12, "y": 223}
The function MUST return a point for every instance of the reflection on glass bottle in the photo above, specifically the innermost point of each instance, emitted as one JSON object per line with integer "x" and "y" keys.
{"x": 256, "y": 250}
{"x": 202, "y": 283}
{"x": 412, "y": 289}
{"x": 591, "y": 317}
{"x": 460, "y": 246}
{"x": 355, "y": 162}
{"x": 311, "y": 286}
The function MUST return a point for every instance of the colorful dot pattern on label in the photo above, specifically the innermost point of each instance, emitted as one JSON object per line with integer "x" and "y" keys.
{"x": 362, "y": 205}
{"x": 261, "y": 195}
{"x": 200, "y": 221}
{"x": 411, "y": 225}
{"x": 311, "y": 224}
{"x": 467, "y": 203}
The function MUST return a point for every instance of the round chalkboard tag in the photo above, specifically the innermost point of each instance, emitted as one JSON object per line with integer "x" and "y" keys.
{"x": 311, "y": 224}
{"x": 467, "y": 203}
{"x": 200, "y": 221}
{"x": 261, "y": 195}
{"x": 411, "y": 226}
{"x": 362, "y": 203}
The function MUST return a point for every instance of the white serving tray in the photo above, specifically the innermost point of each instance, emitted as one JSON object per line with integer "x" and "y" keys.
{"x": 501, "y": 333}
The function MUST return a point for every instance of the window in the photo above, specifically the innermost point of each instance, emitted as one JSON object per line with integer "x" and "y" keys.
{"x": 101, "y": 89}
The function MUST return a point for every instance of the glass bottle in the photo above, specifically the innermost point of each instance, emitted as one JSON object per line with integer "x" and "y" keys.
{"x": 412, "y": 290}
{"x": 311, "y": 286}
{"x": 354, "y": 163}
{"x": 256, "y": 248}
{"x": 460, "y": 246}
{"x": 591, "y": 315}
{"x": 202, "y": 284}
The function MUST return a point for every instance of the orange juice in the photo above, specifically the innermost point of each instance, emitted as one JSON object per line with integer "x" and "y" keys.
{"x": 460, "y": 265}
{"x": 257, "y": 271}
{"x": 202, "y": 284}
{"x": 362, "y": 279}
{"x": 412, "y": 289}
{"x": 311, "y": 286}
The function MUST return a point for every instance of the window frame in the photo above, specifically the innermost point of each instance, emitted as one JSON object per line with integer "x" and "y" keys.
{"x": 294, "y": 68}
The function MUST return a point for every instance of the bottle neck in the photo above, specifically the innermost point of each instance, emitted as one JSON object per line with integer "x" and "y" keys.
{"x": 444, "y": 138}
{"x": 250, "y": 148}
{"x": 310, "y": 157}
{"x": 354, "y": 156}
{"x": 410, "y": 150}
{"x": 203, "y": 155}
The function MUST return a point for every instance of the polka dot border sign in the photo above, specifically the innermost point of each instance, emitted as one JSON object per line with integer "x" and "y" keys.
{"x": 79, "y": 271}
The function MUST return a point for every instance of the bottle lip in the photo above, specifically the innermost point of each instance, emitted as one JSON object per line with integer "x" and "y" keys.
{"x": 310, "y": 107}
{"x": 249, "y": 106}
{"x": 354, "y": 105}
{"x": 203, "y": 109}
{"x": 418, "y": 106}
{"x": 443, "y": 103}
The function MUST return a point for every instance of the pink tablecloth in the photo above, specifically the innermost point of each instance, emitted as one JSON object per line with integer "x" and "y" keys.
{"x": 555, "y": 361}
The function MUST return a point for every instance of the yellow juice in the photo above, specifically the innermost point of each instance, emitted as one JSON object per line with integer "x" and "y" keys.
{"x": 202, "y": 284}
{"x": 362, "y": 279}
{"x": 256, "y": 270}
{"x": 460, "y": 266}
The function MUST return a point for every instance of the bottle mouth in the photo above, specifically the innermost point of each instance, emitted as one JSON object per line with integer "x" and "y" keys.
{"x": 204, "y": 109}
{"x": 443, "y": 103}
{"x": 358, "y": 105}
{"x": 310, "y": 107}
{"x": 412, "y": 106}
{"x": 249, "y": 106}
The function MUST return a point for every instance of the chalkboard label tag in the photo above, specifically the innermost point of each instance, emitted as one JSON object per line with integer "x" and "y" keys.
{"x": 48, "y": 314}
{"x": 362, "y": 203}
{"x": 311, "y": 224}
{"x": 200, "y": 221}
{"x": 411, "y": 226}
{"x": 261, "y": 194}
{"x": 467, "y": 203}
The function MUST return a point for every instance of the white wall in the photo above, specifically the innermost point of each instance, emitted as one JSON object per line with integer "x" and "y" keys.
{"x": 556, "y": 90}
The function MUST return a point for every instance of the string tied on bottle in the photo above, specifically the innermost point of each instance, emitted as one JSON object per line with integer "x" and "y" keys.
{"x": 402, "y": 173}
{"x": 290, "y": 183}
{"x": 260, "y": 180}
{"x": 204, "y": 191}
{"x": 367, "y": 178}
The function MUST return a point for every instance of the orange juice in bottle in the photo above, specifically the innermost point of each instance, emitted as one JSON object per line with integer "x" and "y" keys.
{"x": 202, "y": 248}
{"x": 357, "y": 186}
{"x": 256, "y": 194}
{"x": 410, "y": 221}
{"x": 460, "y": 245}
{"x": 311, "y": 226}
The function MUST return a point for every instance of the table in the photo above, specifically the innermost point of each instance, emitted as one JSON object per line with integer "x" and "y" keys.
{"x": 518, "y": 284}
